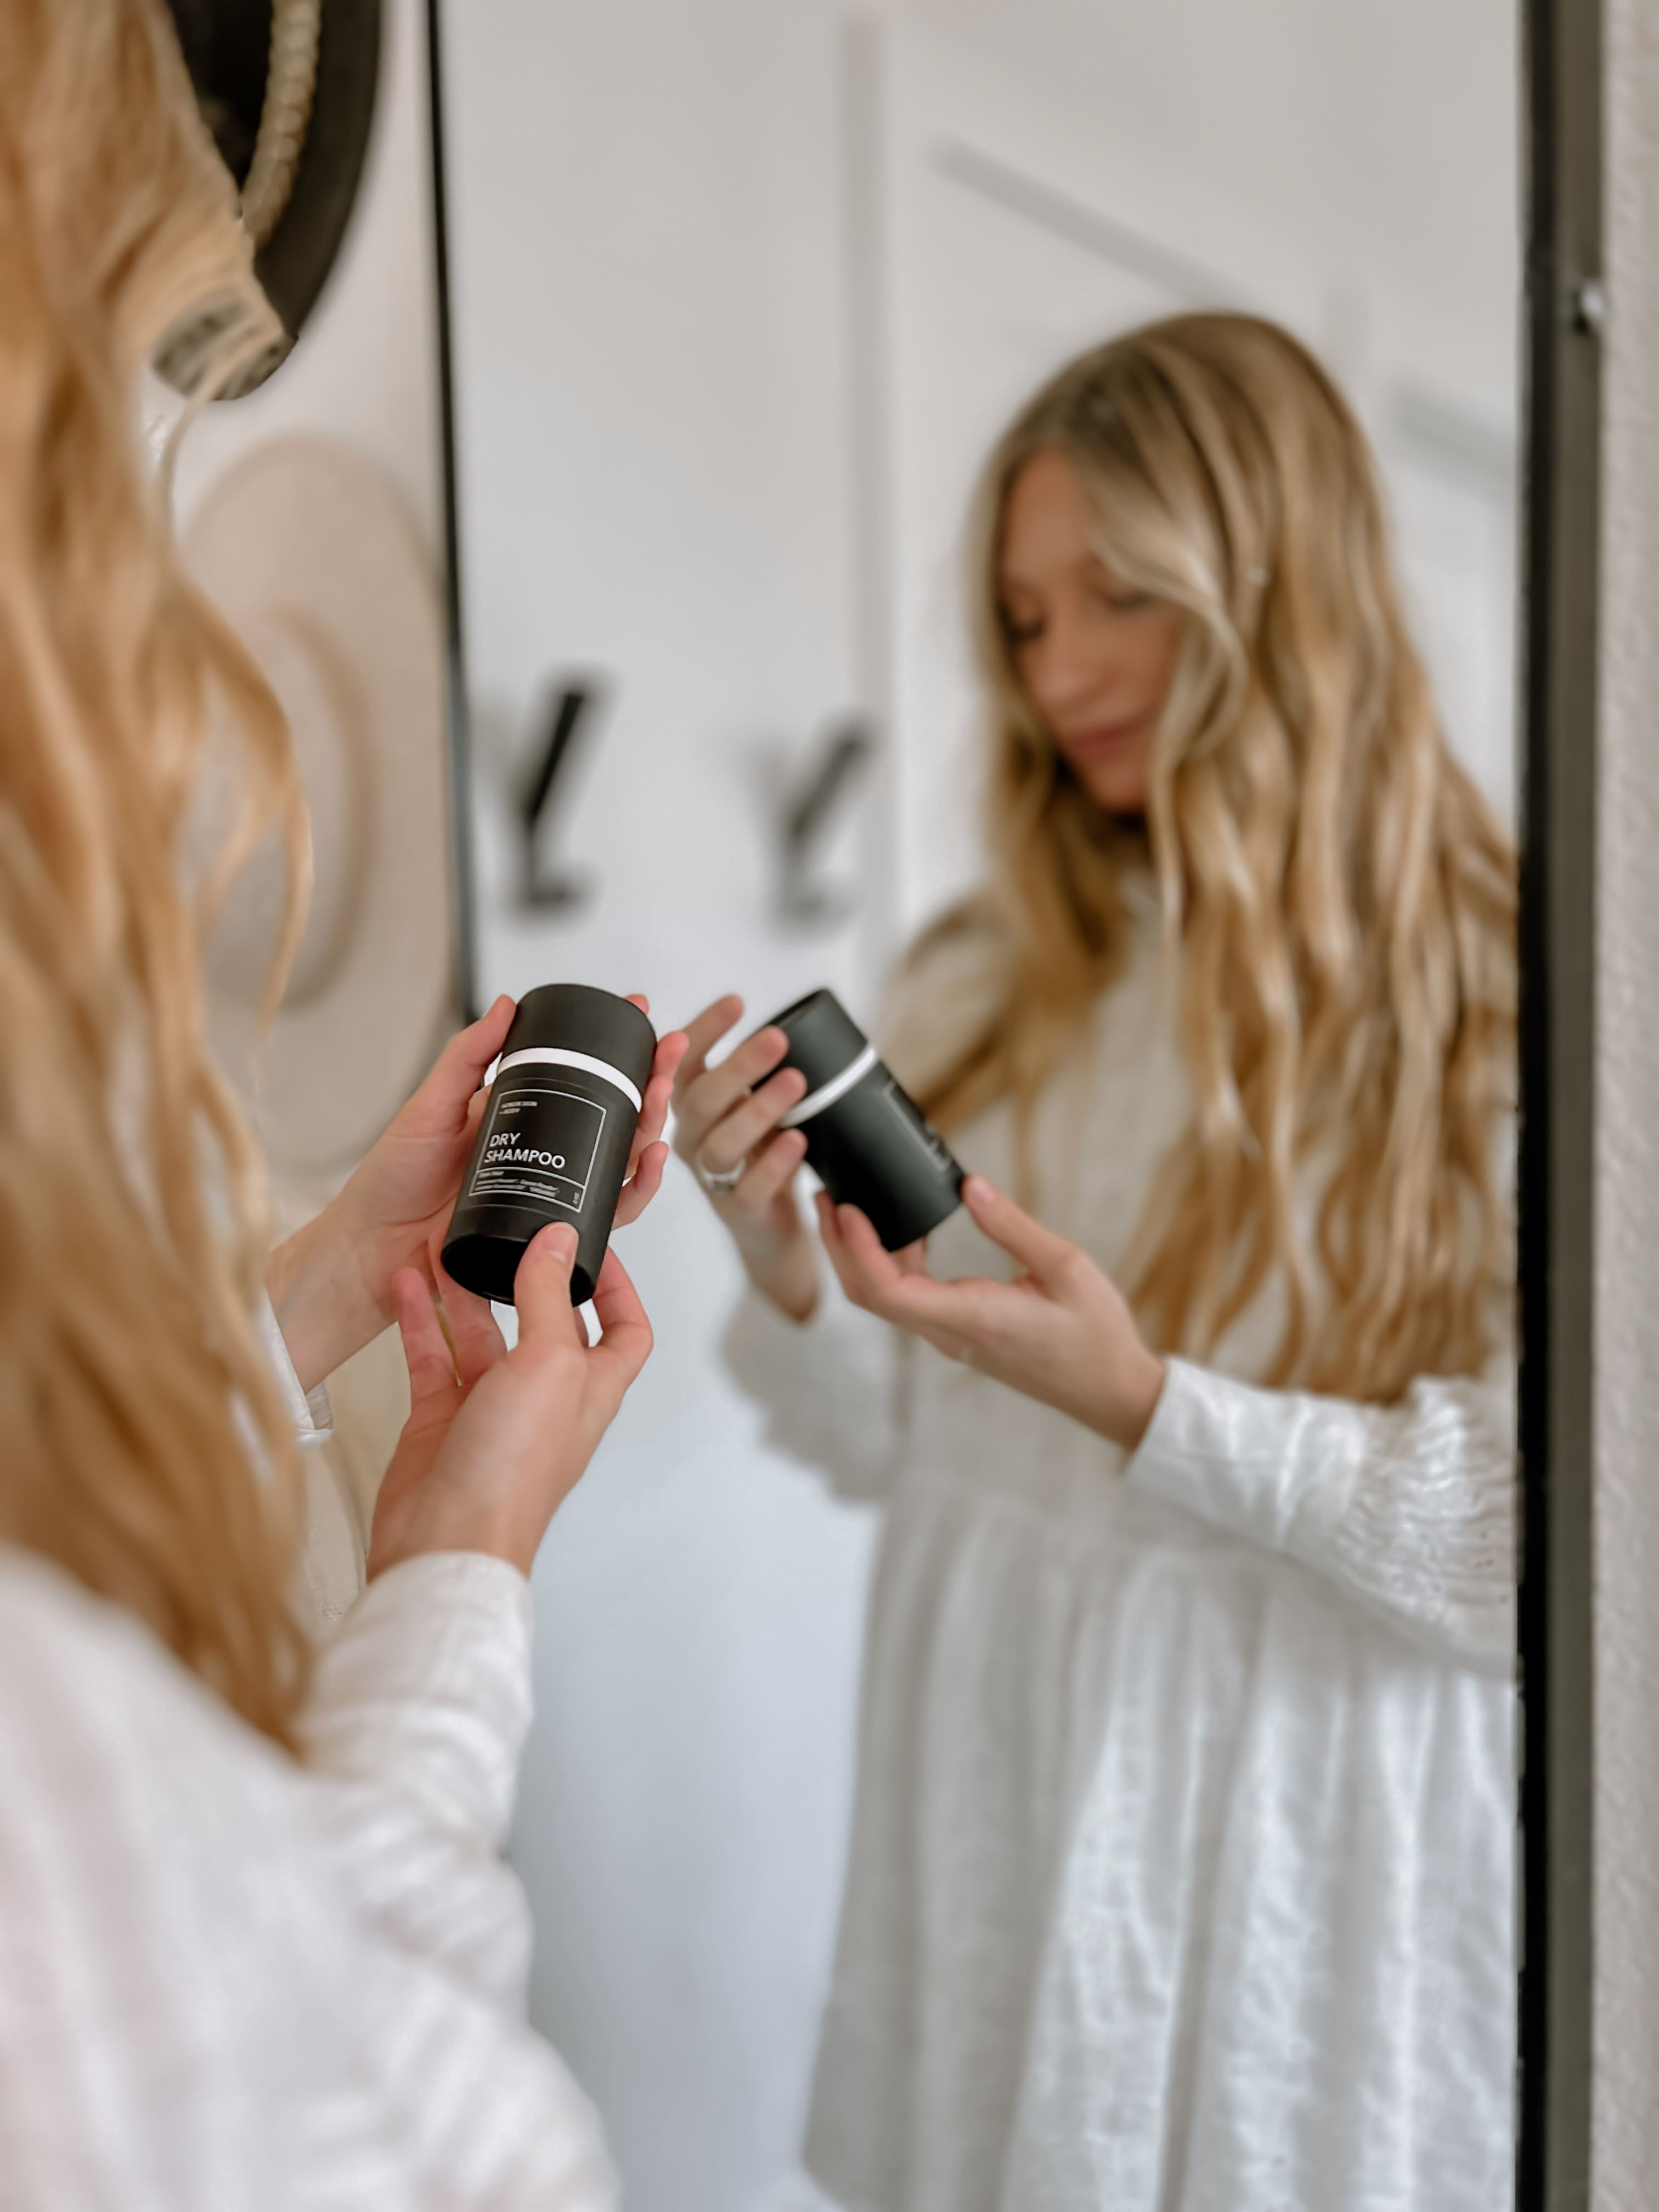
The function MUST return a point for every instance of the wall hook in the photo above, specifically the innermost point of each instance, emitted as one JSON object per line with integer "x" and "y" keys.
{"x": 806, "y": 818}
{"x": 545, "y": 791}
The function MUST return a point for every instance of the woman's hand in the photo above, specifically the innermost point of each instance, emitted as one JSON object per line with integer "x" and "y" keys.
{"x": 1061, "y": 1332}
{"x": 331, "y": 1283}
{"x": 719, "y": 1124}
{"x": 496, "y": 1440}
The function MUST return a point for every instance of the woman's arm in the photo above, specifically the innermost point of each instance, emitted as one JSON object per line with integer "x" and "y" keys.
{"x": 420, "y": 1700}
{"x": 1407, "y": 1509}
{"x": 210, "y": 1996}
{"x": 414, "y": 1731}
{"x": 310, "y": 1411}
{"x": 419, "y": 1711}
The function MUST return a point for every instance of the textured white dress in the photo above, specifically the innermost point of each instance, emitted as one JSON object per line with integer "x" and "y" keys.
{"x": 1181, "y": 1871}
{"x": 232, "y": 1983}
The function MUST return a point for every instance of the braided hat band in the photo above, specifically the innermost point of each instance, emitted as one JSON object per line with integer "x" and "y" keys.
{"x": 290, "y": 88}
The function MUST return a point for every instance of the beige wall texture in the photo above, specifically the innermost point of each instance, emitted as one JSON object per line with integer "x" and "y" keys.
{"x": 1626, "y": 2105}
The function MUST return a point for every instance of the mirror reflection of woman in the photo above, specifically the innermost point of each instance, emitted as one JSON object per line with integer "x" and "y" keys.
{"x": 1181, "y": 1870}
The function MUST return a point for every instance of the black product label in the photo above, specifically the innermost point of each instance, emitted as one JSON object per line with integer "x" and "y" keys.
{"x": 915, "y": 1124}
{"x": 539, "y": 1144}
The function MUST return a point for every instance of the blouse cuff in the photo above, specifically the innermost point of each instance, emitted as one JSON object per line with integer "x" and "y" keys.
{"x": 311, "y": 1411}
{"x": 425, "y": 1685}
{"x": 1238, "y": 1457}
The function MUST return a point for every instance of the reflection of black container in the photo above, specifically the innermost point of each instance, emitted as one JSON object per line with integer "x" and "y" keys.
{"x": 867, "y": 1140}
{"x": 554, "y": 1142}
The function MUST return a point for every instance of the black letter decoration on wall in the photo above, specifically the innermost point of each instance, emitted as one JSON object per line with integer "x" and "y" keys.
{"x": 807, "y": 812}
{"x": 541, "y": 794}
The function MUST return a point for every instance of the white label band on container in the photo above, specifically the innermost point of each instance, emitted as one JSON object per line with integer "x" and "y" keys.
{"x": 827, "y": 1093}
{"x": 553, "y": 1056}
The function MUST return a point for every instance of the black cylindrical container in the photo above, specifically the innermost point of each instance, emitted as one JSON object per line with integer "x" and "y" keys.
{"x": 555, "y": 1139}
{"x": 867, "y": 1140}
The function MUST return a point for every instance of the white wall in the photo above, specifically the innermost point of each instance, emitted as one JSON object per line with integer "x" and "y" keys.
{"x": 1381, "y": 141}
{"x": 662, "y": 478}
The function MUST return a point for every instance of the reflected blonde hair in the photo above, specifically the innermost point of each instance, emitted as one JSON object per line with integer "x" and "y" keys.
{"x": 146, "y": 1447}
{"x": 1342, "y": 899}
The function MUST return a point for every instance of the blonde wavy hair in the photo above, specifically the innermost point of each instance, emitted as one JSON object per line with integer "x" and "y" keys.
{"x": 146, "y": 1447}
{"x": 1341, "y": 900}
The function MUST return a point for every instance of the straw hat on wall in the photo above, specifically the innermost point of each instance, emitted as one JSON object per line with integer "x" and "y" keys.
{"x": 309, "y": 552}
{"x": 288, "y": 89}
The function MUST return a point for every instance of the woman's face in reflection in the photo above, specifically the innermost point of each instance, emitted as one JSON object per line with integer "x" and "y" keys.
{"x": 1094, "y": 655}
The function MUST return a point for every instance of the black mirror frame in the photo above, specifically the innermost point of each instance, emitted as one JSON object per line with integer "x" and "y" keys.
{"x": 1564, "y": 311}
{"x": 463, "y": 922}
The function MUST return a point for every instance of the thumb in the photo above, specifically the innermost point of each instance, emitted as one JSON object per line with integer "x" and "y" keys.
{"x": 1036, "y": 1248}
{"x": 541, "y": 1290}
{"x": 446, "y": 1097}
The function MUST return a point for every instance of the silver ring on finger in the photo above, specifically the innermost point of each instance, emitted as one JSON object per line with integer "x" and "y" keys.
{"x": 717, "y": 1182}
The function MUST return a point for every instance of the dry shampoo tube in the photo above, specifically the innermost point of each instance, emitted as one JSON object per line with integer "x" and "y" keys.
{"x": 554, "y": 1142}
{"x": 867, "y": 1140}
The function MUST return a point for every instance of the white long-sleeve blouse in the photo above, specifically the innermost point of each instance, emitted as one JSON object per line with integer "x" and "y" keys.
{"x": 1182, "y": 1865}
{"x": 229, "y": 1983}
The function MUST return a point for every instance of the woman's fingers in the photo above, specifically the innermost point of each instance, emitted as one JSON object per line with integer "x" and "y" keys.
{"x": 659, "y": 1093}
{"x": 434, "y": 1391}
{"x": 647, "y": 1155}
{"x": 704, "y": 1033}
{"x": 708, "y": 1099}
{"x": 1035, "y": 1248}
{"x": 750, "y": 1121}
{"x": 768, "y": 1173}
{"x": 624, "y": 1343}
{"x": 952, "y": 1315}
{"x": 867, "y": 1273}
{"x": 444, "y": 1099}
{"x": 882, "y": 1273}
{"x": 474, "y": 1333}
{"x": 541, "y": 1291}
{"x": 642, "y": 1185}
{"x": 671, "y": 1050}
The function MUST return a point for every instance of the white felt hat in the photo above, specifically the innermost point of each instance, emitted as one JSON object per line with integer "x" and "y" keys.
{"x": 311, "y": 553}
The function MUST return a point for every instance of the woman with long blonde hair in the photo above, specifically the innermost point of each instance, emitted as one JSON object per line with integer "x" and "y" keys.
{"x": 257, "y": 1946}
{"x": 1181, "y": 1871}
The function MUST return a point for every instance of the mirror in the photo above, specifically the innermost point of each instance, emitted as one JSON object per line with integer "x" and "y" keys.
{"x": 922, "y": 1810}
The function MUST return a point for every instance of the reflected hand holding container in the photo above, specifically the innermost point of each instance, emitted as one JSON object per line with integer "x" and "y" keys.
{"x": 554, "y": 1142}
{"x": 867, "y": 1141}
